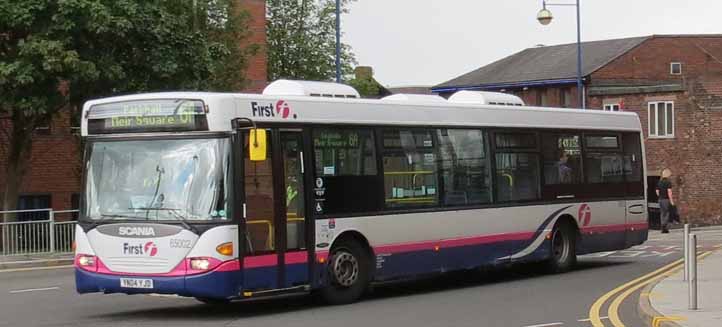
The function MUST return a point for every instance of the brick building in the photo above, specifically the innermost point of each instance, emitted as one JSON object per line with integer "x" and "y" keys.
{"x": 673, "y": 82}
{"x": 53, "y": 177}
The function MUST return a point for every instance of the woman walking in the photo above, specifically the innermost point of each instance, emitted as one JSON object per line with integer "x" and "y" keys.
{"x": 666, "y": 199}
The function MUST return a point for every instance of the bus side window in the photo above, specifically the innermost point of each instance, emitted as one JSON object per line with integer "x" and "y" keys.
{"x": 633, "y": 164}
{"x": 464, "y": 166}
{"x": 562, "y": 159}
{"x": 346, "y": 178}
{"x": 517, "y": 166}
{"x": 410, "y": 173}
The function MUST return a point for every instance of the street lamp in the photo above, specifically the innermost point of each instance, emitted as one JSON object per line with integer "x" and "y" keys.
{"x": 545, "y": 17}
{"x": 338, "y": 41}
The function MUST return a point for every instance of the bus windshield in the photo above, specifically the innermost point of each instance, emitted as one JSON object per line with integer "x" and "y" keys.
{"x": 173, "y": 179}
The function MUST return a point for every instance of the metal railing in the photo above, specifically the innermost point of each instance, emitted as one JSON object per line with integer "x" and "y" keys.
{"x": 37, "y": 236}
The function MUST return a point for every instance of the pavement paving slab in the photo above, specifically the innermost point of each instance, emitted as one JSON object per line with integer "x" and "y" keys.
{"x": 668, "y": 299}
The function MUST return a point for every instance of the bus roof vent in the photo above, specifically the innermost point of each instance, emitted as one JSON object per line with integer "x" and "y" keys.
{"x": 310, "y": 88}
{"x": 414, "y": 98}
{"x": 484, "y": 97}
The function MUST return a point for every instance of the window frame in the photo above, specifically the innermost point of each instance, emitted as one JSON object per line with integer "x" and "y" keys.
{"x": 671, "y": 68}
{"x": 492, "y": 132}
{"x": 381, "y": 152}
{"x": 656, "y": 135}
{"x": 611, "y": 107}
{"x": 375, "y": 133}
{"x": 485, "y": 133}
{"x": 34, "y": 196}
{"x": 608, "y": 192}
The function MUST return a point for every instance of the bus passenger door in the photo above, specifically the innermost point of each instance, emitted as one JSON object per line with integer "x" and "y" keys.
{"x": 295, "y": 236}
{"x": 277, "y": 232}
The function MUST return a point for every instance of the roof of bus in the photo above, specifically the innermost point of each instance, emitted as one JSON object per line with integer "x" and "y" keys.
{"x": 223, "y": 107}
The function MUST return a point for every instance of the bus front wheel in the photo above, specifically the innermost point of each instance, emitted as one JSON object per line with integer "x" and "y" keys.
{"x": 348, "y": 273}
{"x": 563, "y": 249}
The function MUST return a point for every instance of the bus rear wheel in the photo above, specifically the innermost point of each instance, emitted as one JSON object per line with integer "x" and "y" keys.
{"x": 348, "y": 273}
{"x": 563, "y": 249}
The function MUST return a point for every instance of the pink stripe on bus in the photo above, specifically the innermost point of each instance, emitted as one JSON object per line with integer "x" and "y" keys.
{"x": 450, "y": 243}
{"x": 614, "y": 228}
{"x": 271, "y": 259}
{"x": 260, "y": 261}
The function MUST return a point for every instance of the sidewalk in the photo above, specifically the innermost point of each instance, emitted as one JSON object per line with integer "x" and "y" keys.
{"x": 668, "y": 299}
{"x": 35, "y": 260}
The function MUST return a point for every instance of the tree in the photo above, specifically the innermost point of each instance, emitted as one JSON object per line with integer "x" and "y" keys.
{"x": 366, "y": 87}
{"x": 56, "y": 54}
{"x": 301, "y": 37}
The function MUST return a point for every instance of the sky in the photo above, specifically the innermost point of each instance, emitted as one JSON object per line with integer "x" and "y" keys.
{"x": 427, "y": 42}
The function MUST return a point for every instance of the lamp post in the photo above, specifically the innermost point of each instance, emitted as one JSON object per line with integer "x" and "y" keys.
{"x": 338, "y": 41}
{"x": 545, "y": 17}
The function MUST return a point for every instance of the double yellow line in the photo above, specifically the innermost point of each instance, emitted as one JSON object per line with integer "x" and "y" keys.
{"x": 622, "y": 292}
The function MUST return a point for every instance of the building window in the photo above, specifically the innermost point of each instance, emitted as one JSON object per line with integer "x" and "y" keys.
{"x": 74, "y": 117}
{"x": 565, "y": 97}
{"x": 611, "y": 107}
{"x": 541, "y": 97}
{"x": 661, "y": 119}
{"x": 75, "y": 205}
{"x": 675, "y": 68}
{"x": 43, "y": 129}
{"x": 409, "y": 161}
{"x": 32, "y": 202}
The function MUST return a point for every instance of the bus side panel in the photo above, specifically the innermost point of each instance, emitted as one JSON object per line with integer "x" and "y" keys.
{"x": 419, "y": 243}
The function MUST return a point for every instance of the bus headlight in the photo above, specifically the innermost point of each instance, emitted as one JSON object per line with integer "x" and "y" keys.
{"x": 200, "y": 264}
{"x": 87, "y": 262}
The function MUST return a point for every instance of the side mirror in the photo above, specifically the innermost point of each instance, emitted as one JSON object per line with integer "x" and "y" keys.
{"x": 257, "y": 144}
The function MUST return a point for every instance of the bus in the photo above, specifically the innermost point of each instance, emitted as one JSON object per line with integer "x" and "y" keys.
{"x": 307, "y": 188}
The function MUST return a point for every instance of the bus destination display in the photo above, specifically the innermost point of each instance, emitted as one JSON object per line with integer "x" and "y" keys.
{"x": 147, "y": 116}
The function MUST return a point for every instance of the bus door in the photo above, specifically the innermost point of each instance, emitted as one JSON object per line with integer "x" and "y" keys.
{"x": 277, "y": 231}
{"x": 636, "y": 204}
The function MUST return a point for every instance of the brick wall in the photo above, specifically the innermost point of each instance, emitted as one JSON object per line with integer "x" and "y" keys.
{"x": 256, "y": 73}
{"x": 54, "y": 163}
{"x": 650, "y": 60}
{"x": 551, "y": 95}
{"x": 695, "y": 153}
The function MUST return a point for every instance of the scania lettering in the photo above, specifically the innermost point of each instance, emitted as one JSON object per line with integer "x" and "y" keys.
{"x": 132, "y": 231}
{"x": 308, "y": 188}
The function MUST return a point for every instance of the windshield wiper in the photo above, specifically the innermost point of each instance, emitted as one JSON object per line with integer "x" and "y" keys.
{"x": 176, "y": 214}
{"x": 104, "y": 217}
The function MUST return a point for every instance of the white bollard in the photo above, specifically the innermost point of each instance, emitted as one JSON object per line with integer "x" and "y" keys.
{"x": 686, "y": 252}
{"x": 692, "y": 282}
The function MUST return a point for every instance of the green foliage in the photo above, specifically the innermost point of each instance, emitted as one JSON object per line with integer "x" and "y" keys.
{"x": 368, "y": 88}
{"x": 60, "y": 53}
{"x": 106, "y": 47}
{"x": 301, "y": 36}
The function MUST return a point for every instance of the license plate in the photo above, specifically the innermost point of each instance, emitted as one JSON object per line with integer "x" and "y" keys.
{"x": 136, "y": 283}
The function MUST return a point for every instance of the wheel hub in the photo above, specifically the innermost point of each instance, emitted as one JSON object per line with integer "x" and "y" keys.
{"x": 345, "y": 268}
{"x": 560, "y": 246}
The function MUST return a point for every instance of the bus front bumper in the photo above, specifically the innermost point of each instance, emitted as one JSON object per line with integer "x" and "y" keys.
{"x": 213, "y": 284}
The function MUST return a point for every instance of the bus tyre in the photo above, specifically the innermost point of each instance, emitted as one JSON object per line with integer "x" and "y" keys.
{"x": 563, "y": 249}
{"x": 348, "y": 273}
